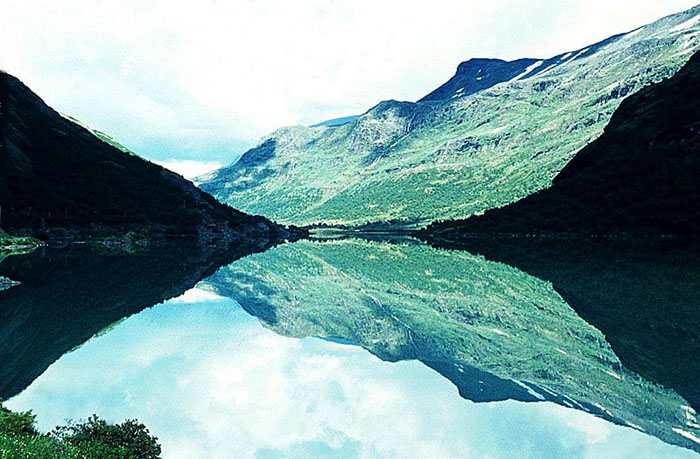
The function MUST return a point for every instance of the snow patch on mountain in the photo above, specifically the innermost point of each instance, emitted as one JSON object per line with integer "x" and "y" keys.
{"x": 686, "y": 25}
{"x": 527, "y": 71}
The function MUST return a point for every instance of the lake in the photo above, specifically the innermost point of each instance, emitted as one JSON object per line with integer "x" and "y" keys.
{"x": 360, "y": 347}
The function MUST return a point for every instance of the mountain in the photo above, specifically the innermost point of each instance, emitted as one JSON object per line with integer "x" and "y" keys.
{"x": 465, "y": 148}
{"x": 335, "y": 121}
{"x": 640, "y": 177}
{"x": 493, "y": 330}
{"x": 58, "y": 179}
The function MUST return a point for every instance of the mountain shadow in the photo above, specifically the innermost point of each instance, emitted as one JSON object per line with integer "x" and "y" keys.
{"x": 68, "y": 295}
{"x": 644, "y": 298}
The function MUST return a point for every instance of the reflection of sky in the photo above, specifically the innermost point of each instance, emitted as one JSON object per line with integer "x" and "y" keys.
{"x": 210, "y": 381}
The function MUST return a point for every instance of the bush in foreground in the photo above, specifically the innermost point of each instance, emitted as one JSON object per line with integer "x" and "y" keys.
{"x": 91, "y": 439}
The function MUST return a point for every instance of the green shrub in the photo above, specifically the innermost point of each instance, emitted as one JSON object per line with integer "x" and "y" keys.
{"x": 95, "y": 438}
{"x": 91, "y": 439}
{"x": 12, "y": 423}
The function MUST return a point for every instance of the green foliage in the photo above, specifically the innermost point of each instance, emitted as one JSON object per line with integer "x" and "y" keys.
{"x": 91, "y": 439}
{"x": 32, "y": 447}
{"x": 96, "y": 439}
{"x": 12, "y": 423}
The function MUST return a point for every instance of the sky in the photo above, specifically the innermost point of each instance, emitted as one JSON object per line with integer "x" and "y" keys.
{"x": 194, "y": 84}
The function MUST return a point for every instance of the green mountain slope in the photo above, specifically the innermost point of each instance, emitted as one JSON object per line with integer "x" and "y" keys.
{"x": 495, "y": 331}
{"x": 640, "y": 177}
{"x": 460, "y": 154}
{"x": 59, "y": 179}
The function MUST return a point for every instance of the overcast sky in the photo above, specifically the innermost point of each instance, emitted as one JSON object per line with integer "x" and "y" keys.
{"x": 202, "y": 81}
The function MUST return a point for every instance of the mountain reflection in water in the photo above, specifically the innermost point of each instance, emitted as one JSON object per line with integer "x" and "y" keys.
{"x": 497, "y": 333}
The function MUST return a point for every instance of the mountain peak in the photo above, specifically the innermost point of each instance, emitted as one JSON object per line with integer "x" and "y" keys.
{"x": 477, "y": 74}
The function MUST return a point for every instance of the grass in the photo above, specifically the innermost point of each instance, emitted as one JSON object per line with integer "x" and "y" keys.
{"x": 16, "y": 245}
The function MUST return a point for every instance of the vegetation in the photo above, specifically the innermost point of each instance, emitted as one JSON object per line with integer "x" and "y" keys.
{"x": 462, "y": 152}
{"x": 639, "y": 178}
{"x": 16, "y": 244}
{"x": 58, "y": 179}
{"x": 496, "y": 332}
{"x": 91, "y": 439}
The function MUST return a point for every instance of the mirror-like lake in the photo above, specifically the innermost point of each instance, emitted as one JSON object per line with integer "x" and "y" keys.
{"x": 365, "y": 348}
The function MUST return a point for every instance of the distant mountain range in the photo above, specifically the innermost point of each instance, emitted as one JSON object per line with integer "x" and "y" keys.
{"x": 641, "y": 177}
{"x": 60, "y": 180}
{"x": 495, "y": 133}
{"x": 336, "y": 121}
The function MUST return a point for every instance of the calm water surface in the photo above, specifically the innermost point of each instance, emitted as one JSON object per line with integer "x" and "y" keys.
{"x": 356, "y": 348}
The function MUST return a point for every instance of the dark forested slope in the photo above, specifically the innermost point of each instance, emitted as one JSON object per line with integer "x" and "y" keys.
{"x": 58, "y": 178}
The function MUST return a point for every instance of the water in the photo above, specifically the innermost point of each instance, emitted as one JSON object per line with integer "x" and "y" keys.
{"x": 357, "y": 348}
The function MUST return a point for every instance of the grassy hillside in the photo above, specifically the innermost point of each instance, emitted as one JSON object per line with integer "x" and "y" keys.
{"x": 641, "y": 177}
{"x": 13, "y": 244}
{"x": 461, "y": 152}
{"x": 58, "y": 178}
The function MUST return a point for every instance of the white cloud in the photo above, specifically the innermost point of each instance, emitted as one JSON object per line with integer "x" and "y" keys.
{"x": 196, "y": 295}
{"x": 189, "y": 168}
{"x": 208, "y": 78}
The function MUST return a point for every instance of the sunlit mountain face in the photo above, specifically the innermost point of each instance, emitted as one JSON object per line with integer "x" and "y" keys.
{"x": 495, "y": 133}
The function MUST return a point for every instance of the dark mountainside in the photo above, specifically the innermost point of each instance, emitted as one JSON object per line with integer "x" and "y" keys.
{"x": 476, "y": 75}
{"x": 642, "y": 297}
{"x": 59, "y": 180}
{"x": 640, "y": 177}
{"x": 66, "y": 296}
